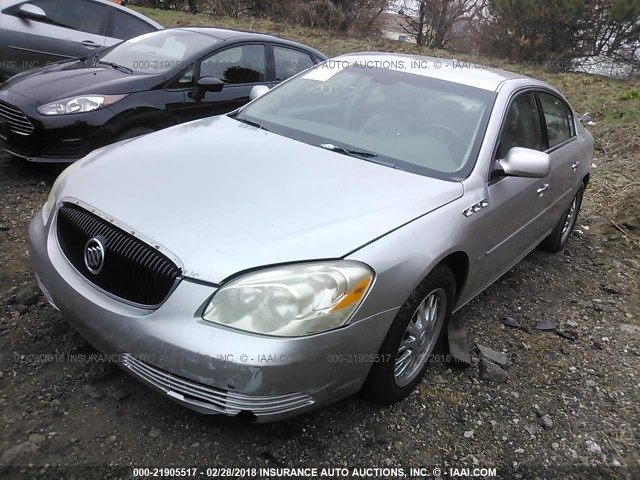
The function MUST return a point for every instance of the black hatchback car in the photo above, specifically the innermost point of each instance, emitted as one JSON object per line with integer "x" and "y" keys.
{"x": 61, "y": 112}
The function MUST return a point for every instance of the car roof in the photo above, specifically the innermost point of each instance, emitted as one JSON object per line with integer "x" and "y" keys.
{"x": 451, "y": 70}
{"x": 225, "y": 34}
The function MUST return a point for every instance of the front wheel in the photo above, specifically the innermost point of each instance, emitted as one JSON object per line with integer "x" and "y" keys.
{"x": 418, "y": 328}
{"x": 558, "y": 238}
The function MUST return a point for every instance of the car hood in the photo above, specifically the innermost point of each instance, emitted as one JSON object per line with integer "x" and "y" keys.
{"x": 222, "y": 197}
{"x": 77, "y": 77}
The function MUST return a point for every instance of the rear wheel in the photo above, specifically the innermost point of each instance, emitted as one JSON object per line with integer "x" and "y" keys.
{"x": 558, "y": 238}
{"x": 418, "y": 328}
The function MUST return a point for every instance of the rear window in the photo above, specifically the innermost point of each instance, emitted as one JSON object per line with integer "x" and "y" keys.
{"x": 126, "y": 26}
{"x": 557, "y": 117}
{"x": 289, "y": 62}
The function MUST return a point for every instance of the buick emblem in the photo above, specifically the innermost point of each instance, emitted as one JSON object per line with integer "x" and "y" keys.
{"x": 94, "y": 255}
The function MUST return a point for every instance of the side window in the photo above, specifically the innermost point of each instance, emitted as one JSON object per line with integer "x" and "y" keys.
{"x": 81, "y": 15}
{"x": 243, "y": 64}
{"x": 557, "y": 117}
{"x": 126, "y": 26}
{"x": 288, "y": 62}
{"x": 521, "y": 127}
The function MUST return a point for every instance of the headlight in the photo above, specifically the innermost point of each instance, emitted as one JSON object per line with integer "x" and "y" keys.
{"x": 292, "y": 300}
{"x": 80, "y": 104}
{"x": 51, "y": 200}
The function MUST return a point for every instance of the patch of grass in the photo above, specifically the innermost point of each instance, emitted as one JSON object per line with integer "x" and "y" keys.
{"x": 631, "y": 95}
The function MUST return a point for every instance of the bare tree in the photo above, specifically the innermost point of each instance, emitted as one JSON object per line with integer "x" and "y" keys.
{"x": 432, "y": 22}
{"x": 354, "y": 16}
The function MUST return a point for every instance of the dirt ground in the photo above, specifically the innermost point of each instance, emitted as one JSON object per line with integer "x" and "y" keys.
{"x": 571, "y": 402}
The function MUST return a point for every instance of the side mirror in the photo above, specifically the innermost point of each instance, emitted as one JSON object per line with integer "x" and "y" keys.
{"x": 258, "y": 91}
{"x": 27, "y": 10}
{"x": 524, "y": 162}
{"x": 204, "y": 85}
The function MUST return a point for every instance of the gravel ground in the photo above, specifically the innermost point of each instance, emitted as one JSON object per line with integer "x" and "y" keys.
{"x": 570, "y": 402}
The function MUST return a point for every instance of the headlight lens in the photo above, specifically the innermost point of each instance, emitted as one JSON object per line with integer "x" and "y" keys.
{"x": 292, "y": 300}
{"x": 80, "y": 104}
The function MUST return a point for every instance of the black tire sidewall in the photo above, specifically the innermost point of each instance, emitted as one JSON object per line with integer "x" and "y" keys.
{"x": 553, "y": 242}
{"x": 380, "y": 385}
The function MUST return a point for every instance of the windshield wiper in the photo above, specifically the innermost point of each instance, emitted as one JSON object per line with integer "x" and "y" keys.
{"x": 368, "y": 156}
{"x": 120, "y": 68}
{"x": 248, "y": 122}
{"x": 346, "y": 151}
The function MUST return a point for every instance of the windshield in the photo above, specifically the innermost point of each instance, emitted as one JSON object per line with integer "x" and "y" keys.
{"x": 158, "y": 52}
{"x": 412, "y": 122}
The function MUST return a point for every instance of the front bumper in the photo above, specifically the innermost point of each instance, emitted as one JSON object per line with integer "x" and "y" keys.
{"x": 205, "y": 367}
{"x": 53, "y": 139}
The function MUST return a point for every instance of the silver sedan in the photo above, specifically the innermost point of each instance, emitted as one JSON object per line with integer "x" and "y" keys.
{"x": 315, "y": 242}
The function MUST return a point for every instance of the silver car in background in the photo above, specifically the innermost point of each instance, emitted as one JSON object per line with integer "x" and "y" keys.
{"x": 315, "y": 242}
{"x": 34, "y": 33}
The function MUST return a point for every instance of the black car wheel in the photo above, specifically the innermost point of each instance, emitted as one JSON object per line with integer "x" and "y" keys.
{"x": 559, "y": 237}
{"x": 418, "y": 328}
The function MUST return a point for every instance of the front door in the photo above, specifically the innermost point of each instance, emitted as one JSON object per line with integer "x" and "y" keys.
{"x": 509, "y": 225}
{"x": 239, "y": 67}
{"x": 68, "y": 31}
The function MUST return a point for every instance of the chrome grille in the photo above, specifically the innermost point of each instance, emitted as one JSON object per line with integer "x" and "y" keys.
{"x": 18, "y": 122}
{"x": 132, "y": 270}
{"x": 214, "y": 399}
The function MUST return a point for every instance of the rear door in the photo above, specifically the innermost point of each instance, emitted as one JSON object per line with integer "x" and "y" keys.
{"x": 559, "y": 135}
{"x": 70, "y": 30}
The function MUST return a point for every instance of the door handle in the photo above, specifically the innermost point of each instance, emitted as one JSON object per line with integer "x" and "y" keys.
{"x": 543, "y": 188}
{"x": 575, "y": 165}
{"x": 90, "y": 44}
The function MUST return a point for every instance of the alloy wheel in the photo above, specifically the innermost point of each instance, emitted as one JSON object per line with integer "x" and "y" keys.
{"x": 570, "y": 219}
{"x": 420, "y": 337}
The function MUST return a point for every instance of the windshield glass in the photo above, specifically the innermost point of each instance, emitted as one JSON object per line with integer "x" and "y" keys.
{"x": 415, "y": 123}
{"x": 158, "y": 52}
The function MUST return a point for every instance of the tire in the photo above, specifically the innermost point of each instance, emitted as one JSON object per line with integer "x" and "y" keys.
{"x": 558, "y": 238}
{"x": 386, "y": 385}
{"x": 133, "y": 133}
